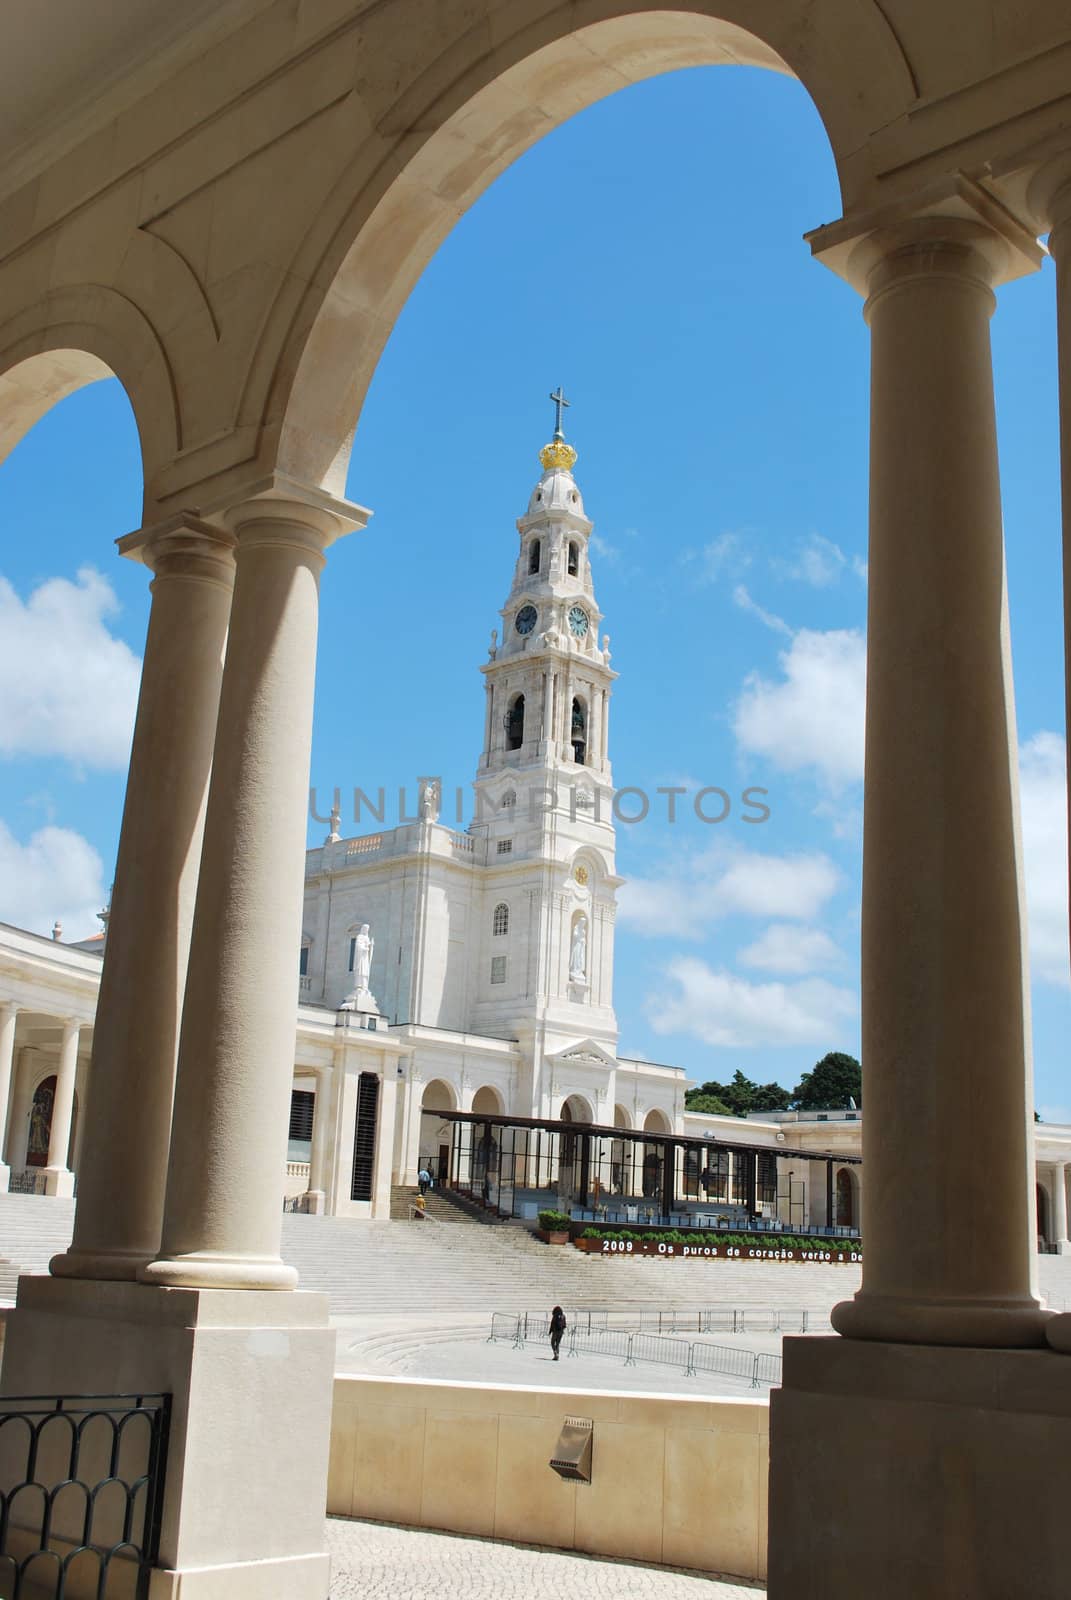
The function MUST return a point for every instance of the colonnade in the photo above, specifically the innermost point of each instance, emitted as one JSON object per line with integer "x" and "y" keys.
{"x": 187, "y": 1130}
{"x": 16, "y": 1101}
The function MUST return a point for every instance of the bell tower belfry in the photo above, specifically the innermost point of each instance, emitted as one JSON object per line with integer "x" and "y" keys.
{"x": 544, "y": 789}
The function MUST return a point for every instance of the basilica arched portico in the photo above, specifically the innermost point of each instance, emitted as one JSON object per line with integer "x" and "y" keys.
{"x": 238, "y": 262}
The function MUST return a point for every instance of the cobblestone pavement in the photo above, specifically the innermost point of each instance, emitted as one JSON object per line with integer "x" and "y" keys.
{"x": 377, "y": 1561}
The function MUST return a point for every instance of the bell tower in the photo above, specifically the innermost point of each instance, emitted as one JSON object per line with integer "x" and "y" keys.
{"x": 544, "y": 788}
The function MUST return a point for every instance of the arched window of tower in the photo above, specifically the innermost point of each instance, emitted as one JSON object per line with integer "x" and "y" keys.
{"x": 534, "y": 554}
{"x": 574, "y": 558}
{"x": 578, "y": 735}
{"x": 500, "y": 920}
{"x": 515, "y": 723}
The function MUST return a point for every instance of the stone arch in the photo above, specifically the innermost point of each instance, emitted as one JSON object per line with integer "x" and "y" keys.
{"x": 575, "y": 1108}
{"x": 39, "y": 1131}
{"x": 488, "y": 1099}
{"x": 656, "y": 1121}
{"x": 621, "y": 1117}
{"x": 475, "y": 114}
{"x": 438, "y": 1096}
{"x": 77, "y": 336}
{"x": 846, "y": 1200}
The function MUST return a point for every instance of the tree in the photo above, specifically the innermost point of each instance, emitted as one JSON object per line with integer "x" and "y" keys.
{"x": 696, "y": 1100}
{"x": 830, "y": 1084}
{"x": 739, "y": 1097}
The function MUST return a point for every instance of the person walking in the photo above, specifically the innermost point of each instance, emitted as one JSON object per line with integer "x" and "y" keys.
{"x": 424, "y": 1180}
{"x": 556, "y": 1329}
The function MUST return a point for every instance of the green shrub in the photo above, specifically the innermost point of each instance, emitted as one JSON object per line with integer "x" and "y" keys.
{"x": 554, "y": 1221}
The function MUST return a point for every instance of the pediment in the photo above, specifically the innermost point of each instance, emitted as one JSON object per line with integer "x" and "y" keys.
{"x": 584, "y": 1053}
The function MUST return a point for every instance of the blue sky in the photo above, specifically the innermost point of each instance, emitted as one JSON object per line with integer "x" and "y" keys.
{"x": 719, "y": 386}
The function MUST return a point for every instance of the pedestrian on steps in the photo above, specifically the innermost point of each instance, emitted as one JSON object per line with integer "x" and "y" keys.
{"x": 556, "y": 1329}
{"x": 424, "y": 1180}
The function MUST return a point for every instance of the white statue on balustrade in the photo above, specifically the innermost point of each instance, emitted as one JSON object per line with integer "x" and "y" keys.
{"x": 361, "y": 998}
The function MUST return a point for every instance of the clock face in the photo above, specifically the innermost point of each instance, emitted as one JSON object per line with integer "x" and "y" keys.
{"x": 527, "y": 617}
{"x": 578, "y": 621}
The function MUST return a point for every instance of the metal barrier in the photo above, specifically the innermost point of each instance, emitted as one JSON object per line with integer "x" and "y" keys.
{"x": 81, "y": 1493}
{"x": 630, "y": 1347}
{"x": 715, "y": 1319}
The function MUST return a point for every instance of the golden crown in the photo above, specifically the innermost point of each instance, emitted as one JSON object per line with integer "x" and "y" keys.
{"x": 557, "y": 454}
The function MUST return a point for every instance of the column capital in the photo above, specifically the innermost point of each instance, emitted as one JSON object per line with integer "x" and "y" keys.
{"x": 285, "y": 504}
{"x": 9, "y": 1008}
{"x": 182, "y": 546}
{"x": 954, "y": 213}
{"x": 1048, "y": 194}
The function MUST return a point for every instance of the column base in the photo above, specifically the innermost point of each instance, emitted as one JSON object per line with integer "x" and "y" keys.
{"x": 210, "y": 1269}
{"x": 315, "y": 1201}
{"x": 251, "y": 1379}
{"x": 115, "y": 1266}
{"x": 59, "y": 1182}
{"x": 1062, "y": 1247}
{"x": 913, "y": 1470}
{"x": 300, "y": 1578}
{"x": 1058, "y": 1332}
{"x": 1002, "y": 1325}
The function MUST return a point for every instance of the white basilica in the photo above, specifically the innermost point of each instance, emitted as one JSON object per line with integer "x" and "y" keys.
{"x": 455, "y": 989}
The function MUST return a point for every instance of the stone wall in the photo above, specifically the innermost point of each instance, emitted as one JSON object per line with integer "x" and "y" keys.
{"x": 675, "y": 1480}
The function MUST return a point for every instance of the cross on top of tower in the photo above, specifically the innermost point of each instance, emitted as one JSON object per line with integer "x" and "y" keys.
{"x": 559, "y": 401}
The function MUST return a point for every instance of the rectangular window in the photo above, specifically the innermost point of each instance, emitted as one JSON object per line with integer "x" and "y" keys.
{"x": 505, "y": 847}
{"x": 364, "y": 1141}
{"x": 498, "y": 969}
{"x": 767, "y": 1180}
{"x": 303, "y": 961}
{"x": 302, "y": 1104}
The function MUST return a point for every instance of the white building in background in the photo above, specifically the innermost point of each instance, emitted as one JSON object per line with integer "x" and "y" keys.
{"x": 471, "y": 972}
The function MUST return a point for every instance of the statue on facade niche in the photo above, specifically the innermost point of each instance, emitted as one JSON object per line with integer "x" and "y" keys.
{"x": 578, "y": 954}
{"x": 363, "y": 946}
{"x": 493, "y": 651}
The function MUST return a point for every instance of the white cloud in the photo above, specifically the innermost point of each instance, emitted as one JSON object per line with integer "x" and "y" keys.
{"x": 68, "y": 687}
{"x": 784, "y": 947}
{"x": 1043, "y": 781}
{"x": 818, "y": 561}
{"x": 56, "y": 875}
{"x": 683, "y": 903}
{"x": 722, "y": 1009}
{"x": 812, "y": 718}
{"x": 743, "y": 602}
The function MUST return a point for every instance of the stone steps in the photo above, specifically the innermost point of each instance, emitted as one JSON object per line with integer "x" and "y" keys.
{"x": 434, "y": 1269}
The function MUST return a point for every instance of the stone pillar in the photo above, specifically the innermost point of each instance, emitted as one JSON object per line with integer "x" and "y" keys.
{"x": 1050, "y": 195}
{"x": 59, "y": 1179}
{"x": 1061, "y": 1243}
{"x": 123, "y": 1167}
{"x": 222, "y": 1216}
{"x": 947, "y": 1137}
{"x": 8, "y": 1013}
{"x": 321, "y": 1116}
{"x": 18, "y": 1132}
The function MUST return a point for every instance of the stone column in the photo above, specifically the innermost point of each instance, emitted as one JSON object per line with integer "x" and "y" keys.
{"x": 1061, "y": 1243}
{"x": 1050, "y": 195}
{"x": 59, "y": 1179}
{"x": 123, "y": 1167}
{"x": 947, "y": 1137}
{"x": 321, "y": 1115}
{"x": 18, "y": 1132}
{"x": 8, "y": 1013}
{"x": 222, "y": 1214}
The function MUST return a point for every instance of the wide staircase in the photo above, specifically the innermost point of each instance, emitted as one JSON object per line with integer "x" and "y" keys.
{"x": 383, "y": 1269}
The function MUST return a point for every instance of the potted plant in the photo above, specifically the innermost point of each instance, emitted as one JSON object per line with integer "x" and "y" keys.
{"x": 554, "y": 1227}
